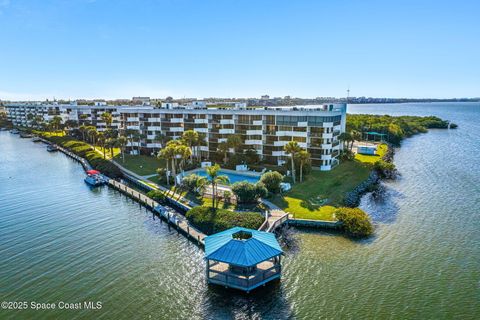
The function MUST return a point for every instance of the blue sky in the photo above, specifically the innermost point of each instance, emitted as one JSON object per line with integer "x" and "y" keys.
{"x": 226, "y": 48}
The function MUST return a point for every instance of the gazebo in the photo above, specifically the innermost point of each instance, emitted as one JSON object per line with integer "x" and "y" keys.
{"x": 242, "y": 258}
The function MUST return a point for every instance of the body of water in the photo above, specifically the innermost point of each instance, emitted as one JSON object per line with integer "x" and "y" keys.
{"x": 62, "y": 241}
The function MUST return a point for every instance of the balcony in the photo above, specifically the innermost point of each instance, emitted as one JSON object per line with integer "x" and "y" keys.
{"x": 227, "y": 121}
{"x": 326, "y": 157}
{"x": 204, "y": 121}
{"x": 327, "y": 135}
{"x": 226, "y": 131}
{"x": 253, "y": 142}
{"x": 176, "y": 129}
{"x": 133, "y": 119}
{"x": 327, "y": 146}
{"x": 176, "y": 120}
{"x": 133, "y": 127}
{"x": 257, "y": 122}
{"x": 327, "y": 124}
{"x": 254, "y": 132}
{"x": 203, "y": 130}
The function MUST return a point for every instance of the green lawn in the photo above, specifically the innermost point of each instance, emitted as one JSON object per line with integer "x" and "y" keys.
{"x": 141, "y": 164}
{"x": 381, "y": 150}
{"x": 314, "y": 197}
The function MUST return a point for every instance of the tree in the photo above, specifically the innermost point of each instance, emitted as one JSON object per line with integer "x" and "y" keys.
{"x": 183, "y": 152}
{"x": 345, "y": 137}
{"x": 71, "y": 124}
{"x": 292, "y": 148}
{"x": 356, "y": 136}
{"x": 215, "y": 179}
{"x": 83, "y": 131}
{"x": 247, "y": 192}
{"x": 168, "y": 153}
{"x": 101, "y": 142}
{"x": 223, "y": 149}
{"x": 234, "y": 141}
{"x": 110, "y": 143}
{"x": 93, "y": 134}
{"x": 107, "y": 118}
{"x": 252, "y": 156}
{"x": 303, "y": 157}
{"x": 355, "y": 221}
{"x": 272, "y": 181}
{"x": 191, "y": 139}
{"x": 160, "y": 137}
{"x": 122, "y": 142}
{"x": 56, "y": 122}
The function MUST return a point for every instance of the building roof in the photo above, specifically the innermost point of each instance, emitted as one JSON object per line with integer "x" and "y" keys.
{"x": 224, "y": 248}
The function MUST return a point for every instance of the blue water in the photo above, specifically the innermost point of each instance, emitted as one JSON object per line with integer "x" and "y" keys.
{"x": 233, "y": 177}
{"x": 62, "y": 241}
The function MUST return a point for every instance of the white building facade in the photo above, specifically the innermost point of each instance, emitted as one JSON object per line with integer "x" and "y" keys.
{"x": 265, "y": 130}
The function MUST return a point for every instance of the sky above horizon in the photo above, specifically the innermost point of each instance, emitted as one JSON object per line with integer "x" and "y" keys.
{"x": 72, "y": 49}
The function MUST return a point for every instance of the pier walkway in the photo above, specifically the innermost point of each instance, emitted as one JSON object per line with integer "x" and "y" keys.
{"x": 275, "y": 217}
{"x": 172, "y": 217}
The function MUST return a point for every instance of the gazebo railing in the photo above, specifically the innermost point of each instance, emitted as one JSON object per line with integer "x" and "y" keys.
{"x": 230, "y": 279}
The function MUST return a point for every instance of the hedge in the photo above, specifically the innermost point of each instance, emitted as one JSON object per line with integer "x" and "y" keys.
{"x": 86, "y": 151}
{"x": 210, "y": 221}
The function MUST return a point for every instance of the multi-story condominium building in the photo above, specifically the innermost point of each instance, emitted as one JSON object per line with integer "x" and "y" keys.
{"x": 265, "y": 130}
{"x": 24, "y": 114}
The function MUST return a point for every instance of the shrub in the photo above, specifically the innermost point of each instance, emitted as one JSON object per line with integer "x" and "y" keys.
{"x": 210, "y": 221}
{"x": 355, "y": 221}
{"x": 190, "y": 182}
{"x": 85, "y": 151}
{"x": 385, "y": 169}
{"x": 157, "y": 195}
{"x": 247, "y": 192}
{"x": 272, "y": 181}
{"x": 227, "y": 197}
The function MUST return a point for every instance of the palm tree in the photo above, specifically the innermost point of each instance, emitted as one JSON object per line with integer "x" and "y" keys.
{"x": 159, "y": 136}
{"x": 191, "y": 139}
{"x": 101, "y": 142}
{"x": 93, "y": 134}
{"x": 56, "y": 122}
{"x": 168, "y": 153}
{"x": 356, "y": 136}
{"x": 223, "y": 148}
{"x": 234, "y": 141}
{"x": 215, "y": 179}
{"x": 183, "y": 152}
{"x": 292, "y": 148}
{"x": 121, "y": 143}
{"x": 110, "y": 143}
{"x": 83, "y": 130}
{"x": 304, "y": 157}
{"x": 107, "y": 118}
{"x": 345, "y": 137}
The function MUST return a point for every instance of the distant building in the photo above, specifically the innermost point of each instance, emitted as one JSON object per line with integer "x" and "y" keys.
{"x": 141, "y": 100}
{"x": 265, "y": 97}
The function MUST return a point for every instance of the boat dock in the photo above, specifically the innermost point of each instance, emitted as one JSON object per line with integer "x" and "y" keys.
{"x": 174, "y": 218}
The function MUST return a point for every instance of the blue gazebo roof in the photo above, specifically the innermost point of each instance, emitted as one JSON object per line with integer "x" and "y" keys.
{"x": 224, "y": 248}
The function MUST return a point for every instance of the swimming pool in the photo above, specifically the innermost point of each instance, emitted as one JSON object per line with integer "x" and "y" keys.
{"x": 234, "y": 177}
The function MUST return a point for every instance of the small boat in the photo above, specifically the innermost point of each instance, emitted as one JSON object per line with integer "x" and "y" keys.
{"x": 94, "y": 178}
{"x": 3, "y": 129}
{"x": 52, "y": 148}
{"x": 25, "y": 135}
{"x": 36, "y": 139}
{"x": 14, "y": 131}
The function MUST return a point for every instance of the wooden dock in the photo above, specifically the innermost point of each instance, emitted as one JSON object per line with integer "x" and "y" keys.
{"x": 174, "y": 218}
